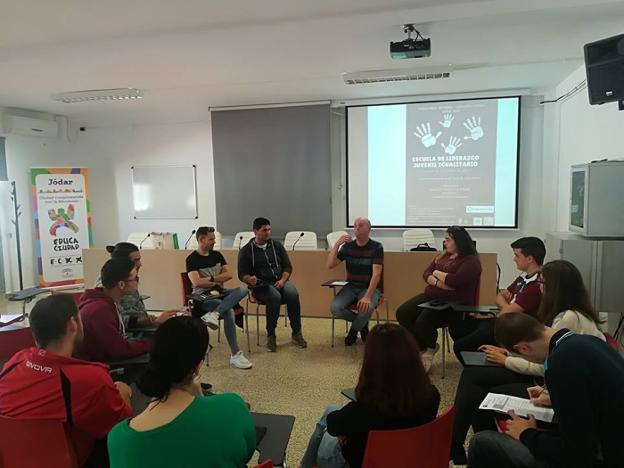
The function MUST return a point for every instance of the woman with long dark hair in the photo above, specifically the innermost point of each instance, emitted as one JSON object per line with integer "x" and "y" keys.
{"x": 565, "y": 304}
{"x": 181, "y": 427}
{"x": 452, "y": 275}
{"x": 393, "y": 392}
{"x": 131, "y": 306}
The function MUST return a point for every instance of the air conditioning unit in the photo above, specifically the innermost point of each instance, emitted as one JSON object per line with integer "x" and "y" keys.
{"x": 30, "y": 126}
{"x": 408, "y": 74}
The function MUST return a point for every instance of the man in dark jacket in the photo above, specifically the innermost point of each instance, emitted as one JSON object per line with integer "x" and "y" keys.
{"x": 264, "y": 266}
{"x": 584, "y": 385}
{"x": 104, "y": 333}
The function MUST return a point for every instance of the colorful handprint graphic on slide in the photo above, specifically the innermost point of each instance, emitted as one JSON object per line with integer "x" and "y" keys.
{"x": 63, "y": 219}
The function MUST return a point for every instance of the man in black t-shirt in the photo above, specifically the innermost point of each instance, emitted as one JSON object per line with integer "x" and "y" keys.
{"x": 207, "y": 271}
{"x": 364, "y": 262}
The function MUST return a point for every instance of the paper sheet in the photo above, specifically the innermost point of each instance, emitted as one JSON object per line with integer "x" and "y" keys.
{"x": 522, "y": 406}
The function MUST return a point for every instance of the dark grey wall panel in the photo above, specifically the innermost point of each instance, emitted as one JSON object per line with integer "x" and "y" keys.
{"x": 274, "y": 163}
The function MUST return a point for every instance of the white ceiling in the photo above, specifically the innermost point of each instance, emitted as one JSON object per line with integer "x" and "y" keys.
{"x": 192, "y": 54}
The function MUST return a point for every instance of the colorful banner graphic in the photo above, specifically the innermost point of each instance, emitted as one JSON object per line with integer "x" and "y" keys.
{"x": 62, "y": 216}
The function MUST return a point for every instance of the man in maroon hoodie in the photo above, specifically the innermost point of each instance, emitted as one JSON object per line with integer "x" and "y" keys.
{"x": 46, "y": 382}
{"x": 104, "y": 333}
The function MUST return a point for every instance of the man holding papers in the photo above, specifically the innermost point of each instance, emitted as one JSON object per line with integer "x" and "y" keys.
{"x": 585, "y": 385}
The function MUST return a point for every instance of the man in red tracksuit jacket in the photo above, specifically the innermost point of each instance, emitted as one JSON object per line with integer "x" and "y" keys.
{"x": 46, "y": 382}
{"x": 104, "y": 331}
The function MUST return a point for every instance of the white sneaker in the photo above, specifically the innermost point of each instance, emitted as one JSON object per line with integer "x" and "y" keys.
{"x": 211, "y": 319}
{"x": 427, "y": 357}
{"x": 240, "y": 361}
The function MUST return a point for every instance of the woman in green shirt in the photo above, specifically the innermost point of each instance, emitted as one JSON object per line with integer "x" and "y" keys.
{"x": 181, "y": 427}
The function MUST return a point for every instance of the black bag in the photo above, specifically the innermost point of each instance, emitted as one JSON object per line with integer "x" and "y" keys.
{"x": 423, "y": 248}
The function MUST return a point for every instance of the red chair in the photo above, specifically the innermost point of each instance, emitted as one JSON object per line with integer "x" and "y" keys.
{"x": 265, "y": 464}
{"x": 14, "y": 338}
{"x": 33, "y": 443}
{"x": 426, "y": 446}
{"x": 611, "y": 341}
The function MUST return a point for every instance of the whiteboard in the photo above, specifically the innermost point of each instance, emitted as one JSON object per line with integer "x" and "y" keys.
{"x": 164, "y": 192}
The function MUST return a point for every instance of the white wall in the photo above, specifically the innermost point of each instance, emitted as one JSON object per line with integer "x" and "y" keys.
{"x": 109, "y": 153}
{"x": 577, "y": 133}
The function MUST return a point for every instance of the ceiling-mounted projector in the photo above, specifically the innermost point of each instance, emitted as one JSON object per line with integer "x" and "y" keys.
{"x": 409, "y": 48}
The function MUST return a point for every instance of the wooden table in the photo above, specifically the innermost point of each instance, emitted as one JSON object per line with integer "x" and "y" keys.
{"x": 160, "y": 277}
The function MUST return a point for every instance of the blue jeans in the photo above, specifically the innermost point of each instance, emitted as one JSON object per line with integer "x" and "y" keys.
{"x": 225, "y": 308}
{"x": 492, "y": 449}
{"x": 273, "y": 298}
{"x": 323, "y": 449}
{"x": 347, "y": 296}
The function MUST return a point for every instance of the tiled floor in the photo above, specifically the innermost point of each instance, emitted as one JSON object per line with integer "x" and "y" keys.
{"x": 301, "y": 382}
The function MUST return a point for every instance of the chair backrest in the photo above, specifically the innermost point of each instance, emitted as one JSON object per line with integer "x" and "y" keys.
{"x": 192, "y": 245}
{"x": 265, "y": 464}
{"x": 306, "y": 242}
{"x": 332, "y": 237}
{"x": 241, "y": 238}
{"x": 413, "y": 237}
{"x": 14, "y": 338}
{"x": 187, "y": 287}
{"x": 33, "y": 443}
{"x": 426, "y": 446}
{"x": 611, "y": 341}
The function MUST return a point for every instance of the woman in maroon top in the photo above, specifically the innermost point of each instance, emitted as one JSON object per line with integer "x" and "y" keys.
{"x": 453, "y": 275}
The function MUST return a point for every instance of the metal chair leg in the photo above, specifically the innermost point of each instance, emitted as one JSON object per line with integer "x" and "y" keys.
{"x": 333, "y": 325}
{"x": 443, "y": 353}
{"x": 247, "y": 333}
{"x": 257, "y": 325}
{"x": 387, "y": 312}
{"x": 219, "y": 332}
{"x": 377, "y": 314}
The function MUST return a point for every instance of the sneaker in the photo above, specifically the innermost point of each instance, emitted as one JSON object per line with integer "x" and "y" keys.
{"x": 272, "y": 343}
{"x": 427, "y": 360}
{"x": 427, "y": 357}
{"x": 211, "y": 319}
{"x": 299, "y": 341}
{"x": 364, "y": 333}
{"x": 239, "y": 361}
{"x": 350, "y": 338}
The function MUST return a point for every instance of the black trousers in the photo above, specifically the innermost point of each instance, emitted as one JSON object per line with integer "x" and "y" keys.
{"x": 424, "y": 323}
{"x": 469, "y": 334}
{"x": 475, "y": 383}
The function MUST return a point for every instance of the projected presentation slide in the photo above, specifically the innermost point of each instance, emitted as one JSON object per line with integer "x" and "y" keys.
{"x": 434, "y": 164}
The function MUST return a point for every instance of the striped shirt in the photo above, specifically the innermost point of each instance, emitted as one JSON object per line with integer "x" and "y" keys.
{"x": 360, "y": 260}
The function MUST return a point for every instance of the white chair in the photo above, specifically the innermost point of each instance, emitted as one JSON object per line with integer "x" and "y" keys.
{"x": 295, "y": 241}
{"x": 413, "y": 237}
{"x": 332, "y": 237}
{"x": 192, "y": 245}
{"x": 241, "y": 238}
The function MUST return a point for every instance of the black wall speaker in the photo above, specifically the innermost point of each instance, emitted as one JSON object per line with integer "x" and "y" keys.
{"x": 604, "y": 63}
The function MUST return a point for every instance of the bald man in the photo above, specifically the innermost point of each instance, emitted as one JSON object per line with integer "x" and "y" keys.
{"x": 364, "y": 261}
